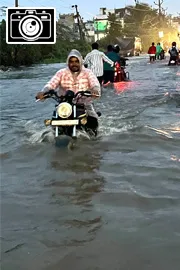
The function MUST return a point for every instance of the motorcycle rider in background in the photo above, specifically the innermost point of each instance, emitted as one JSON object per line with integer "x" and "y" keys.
{"x": 174, "y": 53}
{"x": 108, "y": 69}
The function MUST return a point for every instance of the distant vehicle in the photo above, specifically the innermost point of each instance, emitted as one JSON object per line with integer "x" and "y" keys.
{"x": 129, "y": 46}
{"x": 120, "y": 73}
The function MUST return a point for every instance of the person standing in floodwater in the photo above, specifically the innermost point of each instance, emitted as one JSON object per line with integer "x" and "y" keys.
{"x": 108, "y": 69}
{"x": 94, "y": 61}
{"x": 152, "y": 52}
{"x": 159, "y": 49}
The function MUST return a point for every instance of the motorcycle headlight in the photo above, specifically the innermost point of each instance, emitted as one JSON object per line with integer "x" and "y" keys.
{"x": 64, "y": 110}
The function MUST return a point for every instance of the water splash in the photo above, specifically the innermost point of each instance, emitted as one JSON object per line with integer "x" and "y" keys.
{"x": 37, "y": 134}
{"x": 124, "y": 86}
{"x": 175, "y": 158}
{"x": 167, "y": 131}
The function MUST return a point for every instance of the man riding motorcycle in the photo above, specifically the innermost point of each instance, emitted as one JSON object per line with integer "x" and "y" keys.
{"x": 122, "y": 60}
{"x": 174, "y": 54}
{"x": 120, "y": 66}
{"x": 76, "y": 77}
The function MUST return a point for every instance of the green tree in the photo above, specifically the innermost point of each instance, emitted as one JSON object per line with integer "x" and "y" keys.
{"x": 16, "y": 55}
{"x": 141, "y": 18}
{"x": 115, "y": 26}
{"x": 114, "y": 30}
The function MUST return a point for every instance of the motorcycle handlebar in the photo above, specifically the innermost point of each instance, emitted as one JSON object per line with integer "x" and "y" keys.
{"x": 86, "y": 93}
{"x": 51, "y": 93}
{"x": 48, "y": 94}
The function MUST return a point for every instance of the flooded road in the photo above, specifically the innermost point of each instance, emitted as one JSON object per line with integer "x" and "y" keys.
{"x": 112, "y": 203}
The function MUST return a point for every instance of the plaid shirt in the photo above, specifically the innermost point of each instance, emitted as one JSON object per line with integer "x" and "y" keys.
{"x": 65, "y": 80}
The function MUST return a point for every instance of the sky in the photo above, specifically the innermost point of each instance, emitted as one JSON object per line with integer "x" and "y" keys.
{"x": 89, "y": 9}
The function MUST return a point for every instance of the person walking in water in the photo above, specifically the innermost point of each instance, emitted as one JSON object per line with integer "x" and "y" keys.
{"x": 152, "y": 52}
{"x": 95, "y": 61}
{"x": 159, "y": 49}
{"x": 108, "y": 69}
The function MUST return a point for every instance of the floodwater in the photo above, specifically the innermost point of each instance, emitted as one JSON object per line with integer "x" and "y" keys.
{"x": 111, "y": 203}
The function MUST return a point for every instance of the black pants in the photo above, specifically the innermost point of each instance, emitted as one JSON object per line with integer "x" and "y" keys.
{"x": 100, "y": 79}
{"x": 108, "y": 76}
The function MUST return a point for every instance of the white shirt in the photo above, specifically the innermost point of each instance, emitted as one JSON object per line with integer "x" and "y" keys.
{"x": 94, "y": 60}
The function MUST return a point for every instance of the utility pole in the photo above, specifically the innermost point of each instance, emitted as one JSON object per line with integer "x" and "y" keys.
{"x": 78, "y": 21}
{"x": 16, "y": 3}
{"x": 85, "y": 32}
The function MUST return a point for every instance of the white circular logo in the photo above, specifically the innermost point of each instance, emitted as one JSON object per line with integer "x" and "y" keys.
{"x": 30, "y": 27}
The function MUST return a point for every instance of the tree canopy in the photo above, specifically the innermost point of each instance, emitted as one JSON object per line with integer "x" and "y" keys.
{"x": 142, "y": 21}
{"x": 27, "y": 54}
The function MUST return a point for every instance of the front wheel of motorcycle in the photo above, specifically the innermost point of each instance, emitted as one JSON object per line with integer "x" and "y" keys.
{"x": 62, "y": 141}
{"x": 72, "y": 143}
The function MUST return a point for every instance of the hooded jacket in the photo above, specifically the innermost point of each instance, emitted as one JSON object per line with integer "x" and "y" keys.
{"x": 65, "y": 79}
{"x": 76, "y": 54}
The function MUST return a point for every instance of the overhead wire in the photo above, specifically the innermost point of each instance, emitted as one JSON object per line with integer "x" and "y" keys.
{"x": 40, "y": 5}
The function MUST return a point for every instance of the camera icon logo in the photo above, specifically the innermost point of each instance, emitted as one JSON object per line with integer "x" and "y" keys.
{"x": 31, "y": 26}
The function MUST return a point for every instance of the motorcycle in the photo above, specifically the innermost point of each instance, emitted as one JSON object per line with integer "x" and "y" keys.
{"x": 69, "y": 116}
{"x": 120, "y": 73}
{"x": 173, "y": 61}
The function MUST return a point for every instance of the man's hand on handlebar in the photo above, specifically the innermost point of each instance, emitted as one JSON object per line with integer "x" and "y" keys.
{"x": 95, "y": 95}
{"x": 43, "y": 95}
{"x": 40, "y": 96}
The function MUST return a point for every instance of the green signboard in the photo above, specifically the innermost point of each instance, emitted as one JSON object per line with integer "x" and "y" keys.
{"x": 100, "y": 25}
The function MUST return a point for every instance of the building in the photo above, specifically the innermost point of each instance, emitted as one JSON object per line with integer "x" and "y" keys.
{"x": 101, "y": 23}
{"x": 67, "y": 21}
{"x": 89, "y": 31}
{"x": 97, "y": 28}
{"x": 70, "y": 21}
{"x": 101, "y": 26}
